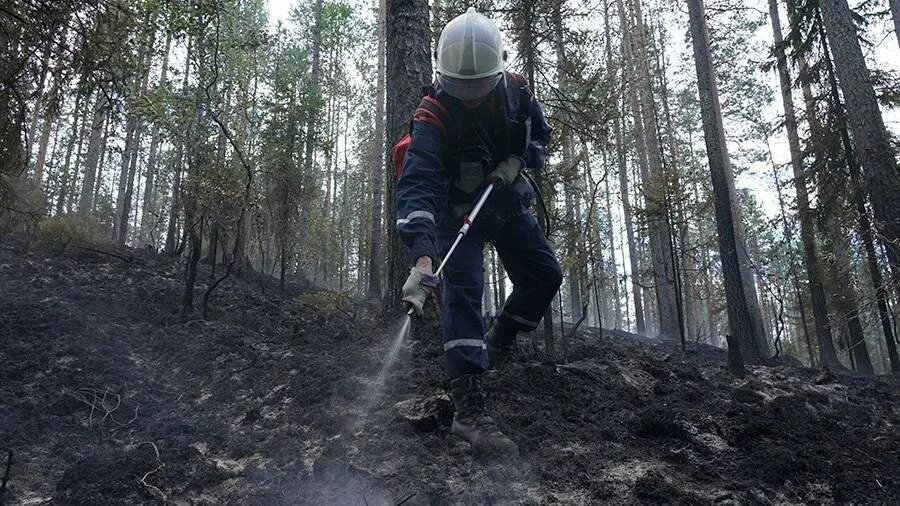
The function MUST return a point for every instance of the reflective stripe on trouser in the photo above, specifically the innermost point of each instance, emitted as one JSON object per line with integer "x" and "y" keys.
{"x": 531, "y": 266}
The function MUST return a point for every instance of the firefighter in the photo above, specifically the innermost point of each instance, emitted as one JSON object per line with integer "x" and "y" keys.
{"x": 478, "y": 125}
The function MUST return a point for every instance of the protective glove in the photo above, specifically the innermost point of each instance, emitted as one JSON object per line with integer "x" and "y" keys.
{"x": 417, "y": 288}
{"x": 507, "y": 171}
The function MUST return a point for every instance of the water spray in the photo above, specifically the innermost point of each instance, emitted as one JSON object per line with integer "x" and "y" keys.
{"x": 377, "y": 388}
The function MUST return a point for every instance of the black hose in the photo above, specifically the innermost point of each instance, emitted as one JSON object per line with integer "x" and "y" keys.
{"x": 540, "y": 197}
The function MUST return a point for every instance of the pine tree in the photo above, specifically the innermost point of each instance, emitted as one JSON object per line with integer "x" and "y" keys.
{"x": 870, "y": 137}
{"x": 807, "y": 224}
{"x": 736, "y": 294}
{"x": 378, "y": 166}
{"x": 408, "y": 69}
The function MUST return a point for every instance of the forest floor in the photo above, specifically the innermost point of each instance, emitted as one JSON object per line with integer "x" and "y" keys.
{"x": 109, "y": 396}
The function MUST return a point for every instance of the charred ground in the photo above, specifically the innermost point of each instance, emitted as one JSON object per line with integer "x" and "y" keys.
{"x": 109, "y": 395}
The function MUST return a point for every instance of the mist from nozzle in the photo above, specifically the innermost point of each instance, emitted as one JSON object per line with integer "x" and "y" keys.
{"x": 376, "y": 390}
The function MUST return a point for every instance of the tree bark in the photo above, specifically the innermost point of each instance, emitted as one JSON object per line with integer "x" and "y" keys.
{"x": 86, "y": 202}
{"x": 736, "y": 294}
{"x": 523, "y": 21}
{"x": 871, "y": 140}
{"x": 807, "y": 224}
{"x": 376, "y": 242}
{"x": 408, "y": 69}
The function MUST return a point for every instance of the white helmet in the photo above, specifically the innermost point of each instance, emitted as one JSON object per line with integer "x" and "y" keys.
{"x": 470, "y": 56}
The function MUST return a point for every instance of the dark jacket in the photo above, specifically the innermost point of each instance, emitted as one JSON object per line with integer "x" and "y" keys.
{"x": 432, "y": 189}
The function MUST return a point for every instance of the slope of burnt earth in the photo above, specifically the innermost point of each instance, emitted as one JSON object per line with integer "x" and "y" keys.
{"x": 109, "y": 396}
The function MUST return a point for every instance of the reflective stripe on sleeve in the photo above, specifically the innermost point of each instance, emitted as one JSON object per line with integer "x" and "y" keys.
{"x": 474, "y": 343}
{"x": 415, "y": 215}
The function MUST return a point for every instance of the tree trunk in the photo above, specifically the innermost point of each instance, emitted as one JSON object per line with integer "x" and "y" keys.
{"x": 795, "y": 280}
{"x": 807, "y": 225}
{"x": 574, "y": 232}
{"x": 627, "y": 211}
{"x": 73, "y": 193}
{"x": 677, "y": 212}
{"x": 175, "y": 209}
{"x": 49, "y": 118}
{"x": 871, "y": 140}
{"x": 86, "y": 202}
{"x": 376, "y": 251}
{"x": 655, "y": 190}
{"x": 408, "y": 69}
{"x": 105, "y": 149}
{"x": 194, "y": 217}
{"x": 129, "y": 163}
{"x": 895, "y": 13}
{"x": 67, "y": 159}
{"x": 843, "y": 291}
{"x": 525, "y": 37}
{"x": 39, "y": 99}
{"x": 611, "y": 239}
{"x": 884, "y": 315}
{"x": 148, "y": 210}
{"x": 310, "y": 181}
{"x": 736, "y": 293}
{"x": 859, "y": 201}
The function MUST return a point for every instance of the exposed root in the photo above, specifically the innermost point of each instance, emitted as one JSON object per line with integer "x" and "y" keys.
{"x": 159, "y": 467}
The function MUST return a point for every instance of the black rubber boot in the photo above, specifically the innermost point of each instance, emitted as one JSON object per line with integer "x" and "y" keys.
{"x": 472, "y": 424}
{"x": 501, "y": 342}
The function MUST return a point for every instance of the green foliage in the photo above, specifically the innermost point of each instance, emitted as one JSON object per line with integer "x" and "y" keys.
{"x": 61, "y": 231}
{"x": 326, "y": 302}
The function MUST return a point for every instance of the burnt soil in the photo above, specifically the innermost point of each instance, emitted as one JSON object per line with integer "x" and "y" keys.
{"x": 109, "y": 396}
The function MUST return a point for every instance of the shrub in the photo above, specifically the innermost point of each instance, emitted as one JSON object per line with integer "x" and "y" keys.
{"x": 325, "y": 301}
{"x": 59, "y": 232}
{"x": 21, "y": 205}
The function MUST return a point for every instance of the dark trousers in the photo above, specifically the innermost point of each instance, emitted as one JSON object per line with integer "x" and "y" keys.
{"x": 531, "y": 265}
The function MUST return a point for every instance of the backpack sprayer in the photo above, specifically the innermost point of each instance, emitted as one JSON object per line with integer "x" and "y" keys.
{"x": 467, "y": 224}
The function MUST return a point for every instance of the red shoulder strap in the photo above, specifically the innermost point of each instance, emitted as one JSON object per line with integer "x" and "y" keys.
{"x": 432, "y": 111}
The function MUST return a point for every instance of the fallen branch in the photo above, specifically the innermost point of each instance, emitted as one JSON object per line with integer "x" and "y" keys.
{"x": 579, "y": 322}
{"x": 99, "y": 403}
{"x": 156, "y": 469}
{"x": 410, "y": 496}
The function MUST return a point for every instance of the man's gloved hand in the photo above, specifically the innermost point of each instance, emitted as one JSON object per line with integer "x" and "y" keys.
{"x": 418, "y": 287}
{"x": 507, "y": 171}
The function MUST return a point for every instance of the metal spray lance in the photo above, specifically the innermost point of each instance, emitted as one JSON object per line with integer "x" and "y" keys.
{"x": 467, "y": 224}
